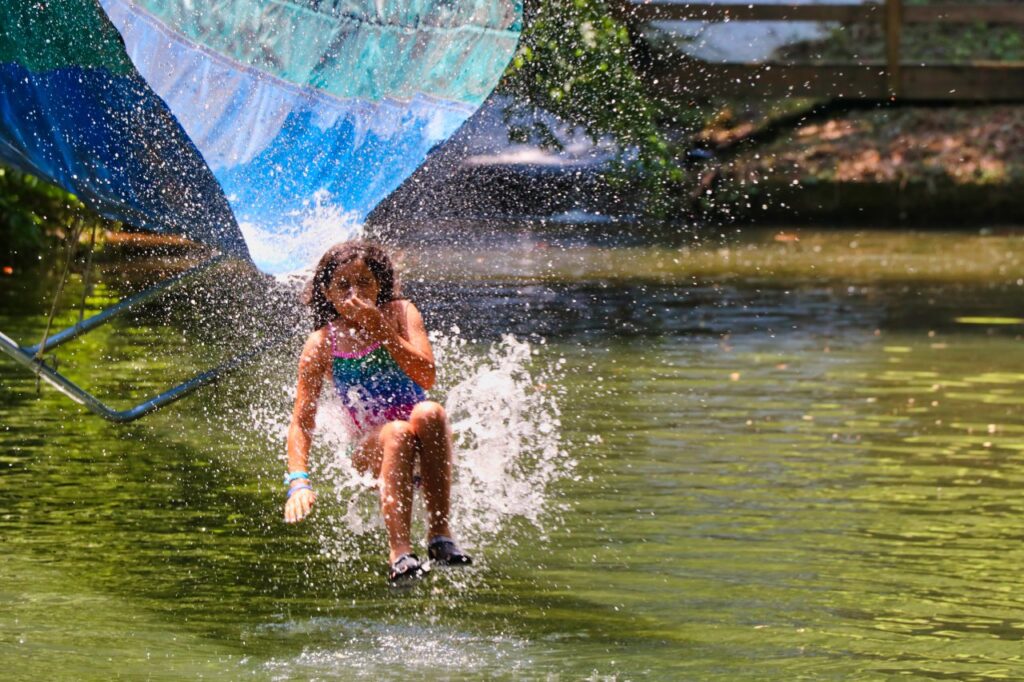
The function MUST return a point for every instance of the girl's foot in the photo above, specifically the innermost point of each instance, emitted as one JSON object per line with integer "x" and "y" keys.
{"x": 445, "y": 552}
{"x": 405, "y": 570}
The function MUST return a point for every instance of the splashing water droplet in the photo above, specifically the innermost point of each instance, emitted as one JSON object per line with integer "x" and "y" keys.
{"x": 507, "y": 445}
{"x": 292, "y": 250}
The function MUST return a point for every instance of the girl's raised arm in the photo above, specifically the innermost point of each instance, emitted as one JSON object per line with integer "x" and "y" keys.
{"x": 412, "y": 350}
{"x": 405, "y": 338}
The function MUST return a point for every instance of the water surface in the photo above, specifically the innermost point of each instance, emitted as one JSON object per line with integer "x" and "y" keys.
{"x": 797, "y": 455}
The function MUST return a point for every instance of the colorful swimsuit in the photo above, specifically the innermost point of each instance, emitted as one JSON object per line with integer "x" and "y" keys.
{"x": 372, "y": 387}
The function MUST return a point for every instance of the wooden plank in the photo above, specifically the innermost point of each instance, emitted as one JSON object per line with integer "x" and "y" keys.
{"x": 694, "y": 79}
{"x": 893, "y": 33}
{"x": 689, "y": 79}
{"x": 964, "y": 14}
{"x": 715, "y": 12}
{"x": 1004, "y": 13}
{"x": 976, "y": 82}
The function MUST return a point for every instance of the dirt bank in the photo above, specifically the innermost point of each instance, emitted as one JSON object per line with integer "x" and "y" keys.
{"x": 915, "y": 165}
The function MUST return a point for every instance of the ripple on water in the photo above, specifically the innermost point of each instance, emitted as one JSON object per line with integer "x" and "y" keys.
{"x": 353, "y": 648}
{"x": 774, "y": 479}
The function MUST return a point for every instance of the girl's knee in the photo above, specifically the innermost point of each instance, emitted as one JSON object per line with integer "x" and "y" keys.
{"x": 427, "y": 413}
{"x": 400, "y": 432}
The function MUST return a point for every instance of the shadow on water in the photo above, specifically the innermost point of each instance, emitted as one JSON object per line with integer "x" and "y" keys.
{"x": 793, "y": 458}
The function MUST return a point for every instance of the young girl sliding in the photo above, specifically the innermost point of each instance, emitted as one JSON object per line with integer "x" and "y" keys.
{"x": 371, "y": 344}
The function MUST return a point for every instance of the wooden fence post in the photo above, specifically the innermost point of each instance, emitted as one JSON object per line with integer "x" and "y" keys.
{"x": 672, "y": 74}
{"x": 893, "y": 33}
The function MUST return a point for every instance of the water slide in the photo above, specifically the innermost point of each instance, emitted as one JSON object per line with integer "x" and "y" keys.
{"x": 265, "y": 128}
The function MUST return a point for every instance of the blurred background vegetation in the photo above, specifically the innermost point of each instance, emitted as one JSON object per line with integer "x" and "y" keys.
{"x": 719, "y": 158}
{"x": 34, "y": 213}
{"x": 580, "y": 62}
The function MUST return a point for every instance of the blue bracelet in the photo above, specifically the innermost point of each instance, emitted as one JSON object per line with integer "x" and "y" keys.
{"x": 292, "y": 491}
{"x": 294, "y": 476}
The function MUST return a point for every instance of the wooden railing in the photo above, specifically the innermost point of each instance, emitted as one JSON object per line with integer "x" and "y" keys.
{"x": 677, "y": 75}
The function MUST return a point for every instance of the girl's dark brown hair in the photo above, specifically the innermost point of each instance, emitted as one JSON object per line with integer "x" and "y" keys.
{"x": 373, "y": 256}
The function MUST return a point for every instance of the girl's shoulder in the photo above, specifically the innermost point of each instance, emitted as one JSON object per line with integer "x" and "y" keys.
{"x": 398, "y": 305}
{"x": 318, "y": 344}
{"x": 398, "y": 310}
{"x": 319, "y": 336}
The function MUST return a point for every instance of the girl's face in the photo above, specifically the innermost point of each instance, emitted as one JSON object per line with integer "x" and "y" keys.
{"x": 353, "y": 279}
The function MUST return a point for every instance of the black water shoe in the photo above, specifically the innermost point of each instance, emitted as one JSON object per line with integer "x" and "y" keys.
{"x": 406, "y": 570}
{"x": 443, "y": 551}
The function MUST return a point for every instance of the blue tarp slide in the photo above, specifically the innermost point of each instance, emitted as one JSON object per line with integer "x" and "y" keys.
{"x": 280, "y": 123}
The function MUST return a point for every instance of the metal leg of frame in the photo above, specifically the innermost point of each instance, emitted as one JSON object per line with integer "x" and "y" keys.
{"x": 27, "y": 356}
{"x": 96, "y": 406}
{"x": 90, "y": 323}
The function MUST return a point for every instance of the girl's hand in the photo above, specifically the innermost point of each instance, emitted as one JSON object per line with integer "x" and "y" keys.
{"x": 299, "y": 505}
{"x": 365, "y": 314}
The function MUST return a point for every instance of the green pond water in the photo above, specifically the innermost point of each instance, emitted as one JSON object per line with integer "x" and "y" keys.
{"x": 793, "y": 456}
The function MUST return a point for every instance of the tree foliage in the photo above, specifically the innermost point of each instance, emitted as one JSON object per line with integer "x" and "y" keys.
{"x": 576, "y": 60}
{"x": 33, "y": 212}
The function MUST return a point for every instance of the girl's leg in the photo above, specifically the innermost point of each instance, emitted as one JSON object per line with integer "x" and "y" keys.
{"x": 389, "y": 453}
{"x": 434, "y": 445}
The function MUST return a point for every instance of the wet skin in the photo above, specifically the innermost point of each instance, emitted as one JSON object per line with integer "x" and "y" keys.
{"x": 389, "y": 451}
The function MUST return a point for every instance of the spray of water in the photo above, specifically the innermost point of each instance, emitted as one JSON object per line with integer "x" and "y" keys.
{"x": 502, "y": 402}
{"x": 414, "y": 648}
{"x": 505, "y": 427}
{"x": 287, "y": 250}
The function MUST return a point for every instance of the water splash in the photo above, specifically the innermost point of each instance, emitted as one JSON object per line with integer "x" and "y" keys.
{"x": 320, "y": 224}
{"x": 503, "y": 408}
{"x": 506, "y": 425}
{"x": 362, "y": 648}
{"x": 502, "y": 402}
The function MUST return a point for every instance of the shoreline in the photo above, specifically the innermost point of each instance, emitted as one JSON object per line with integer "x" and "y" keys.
{"x": 915, "y": 204}
{"x": 902, "y": 166}
{"x": 507, "y": 193}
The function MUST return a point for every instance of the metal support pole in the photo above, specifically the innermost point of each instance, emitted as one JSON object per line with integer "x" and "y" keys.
{"x": 96, "y": 406}
{"x": 88, "y": 324}
{"x": 30, "y": 357}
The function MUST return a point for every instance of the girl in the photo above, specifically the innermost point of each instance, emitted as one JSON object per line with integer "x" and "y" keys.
{"x": 371, "y": 344}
